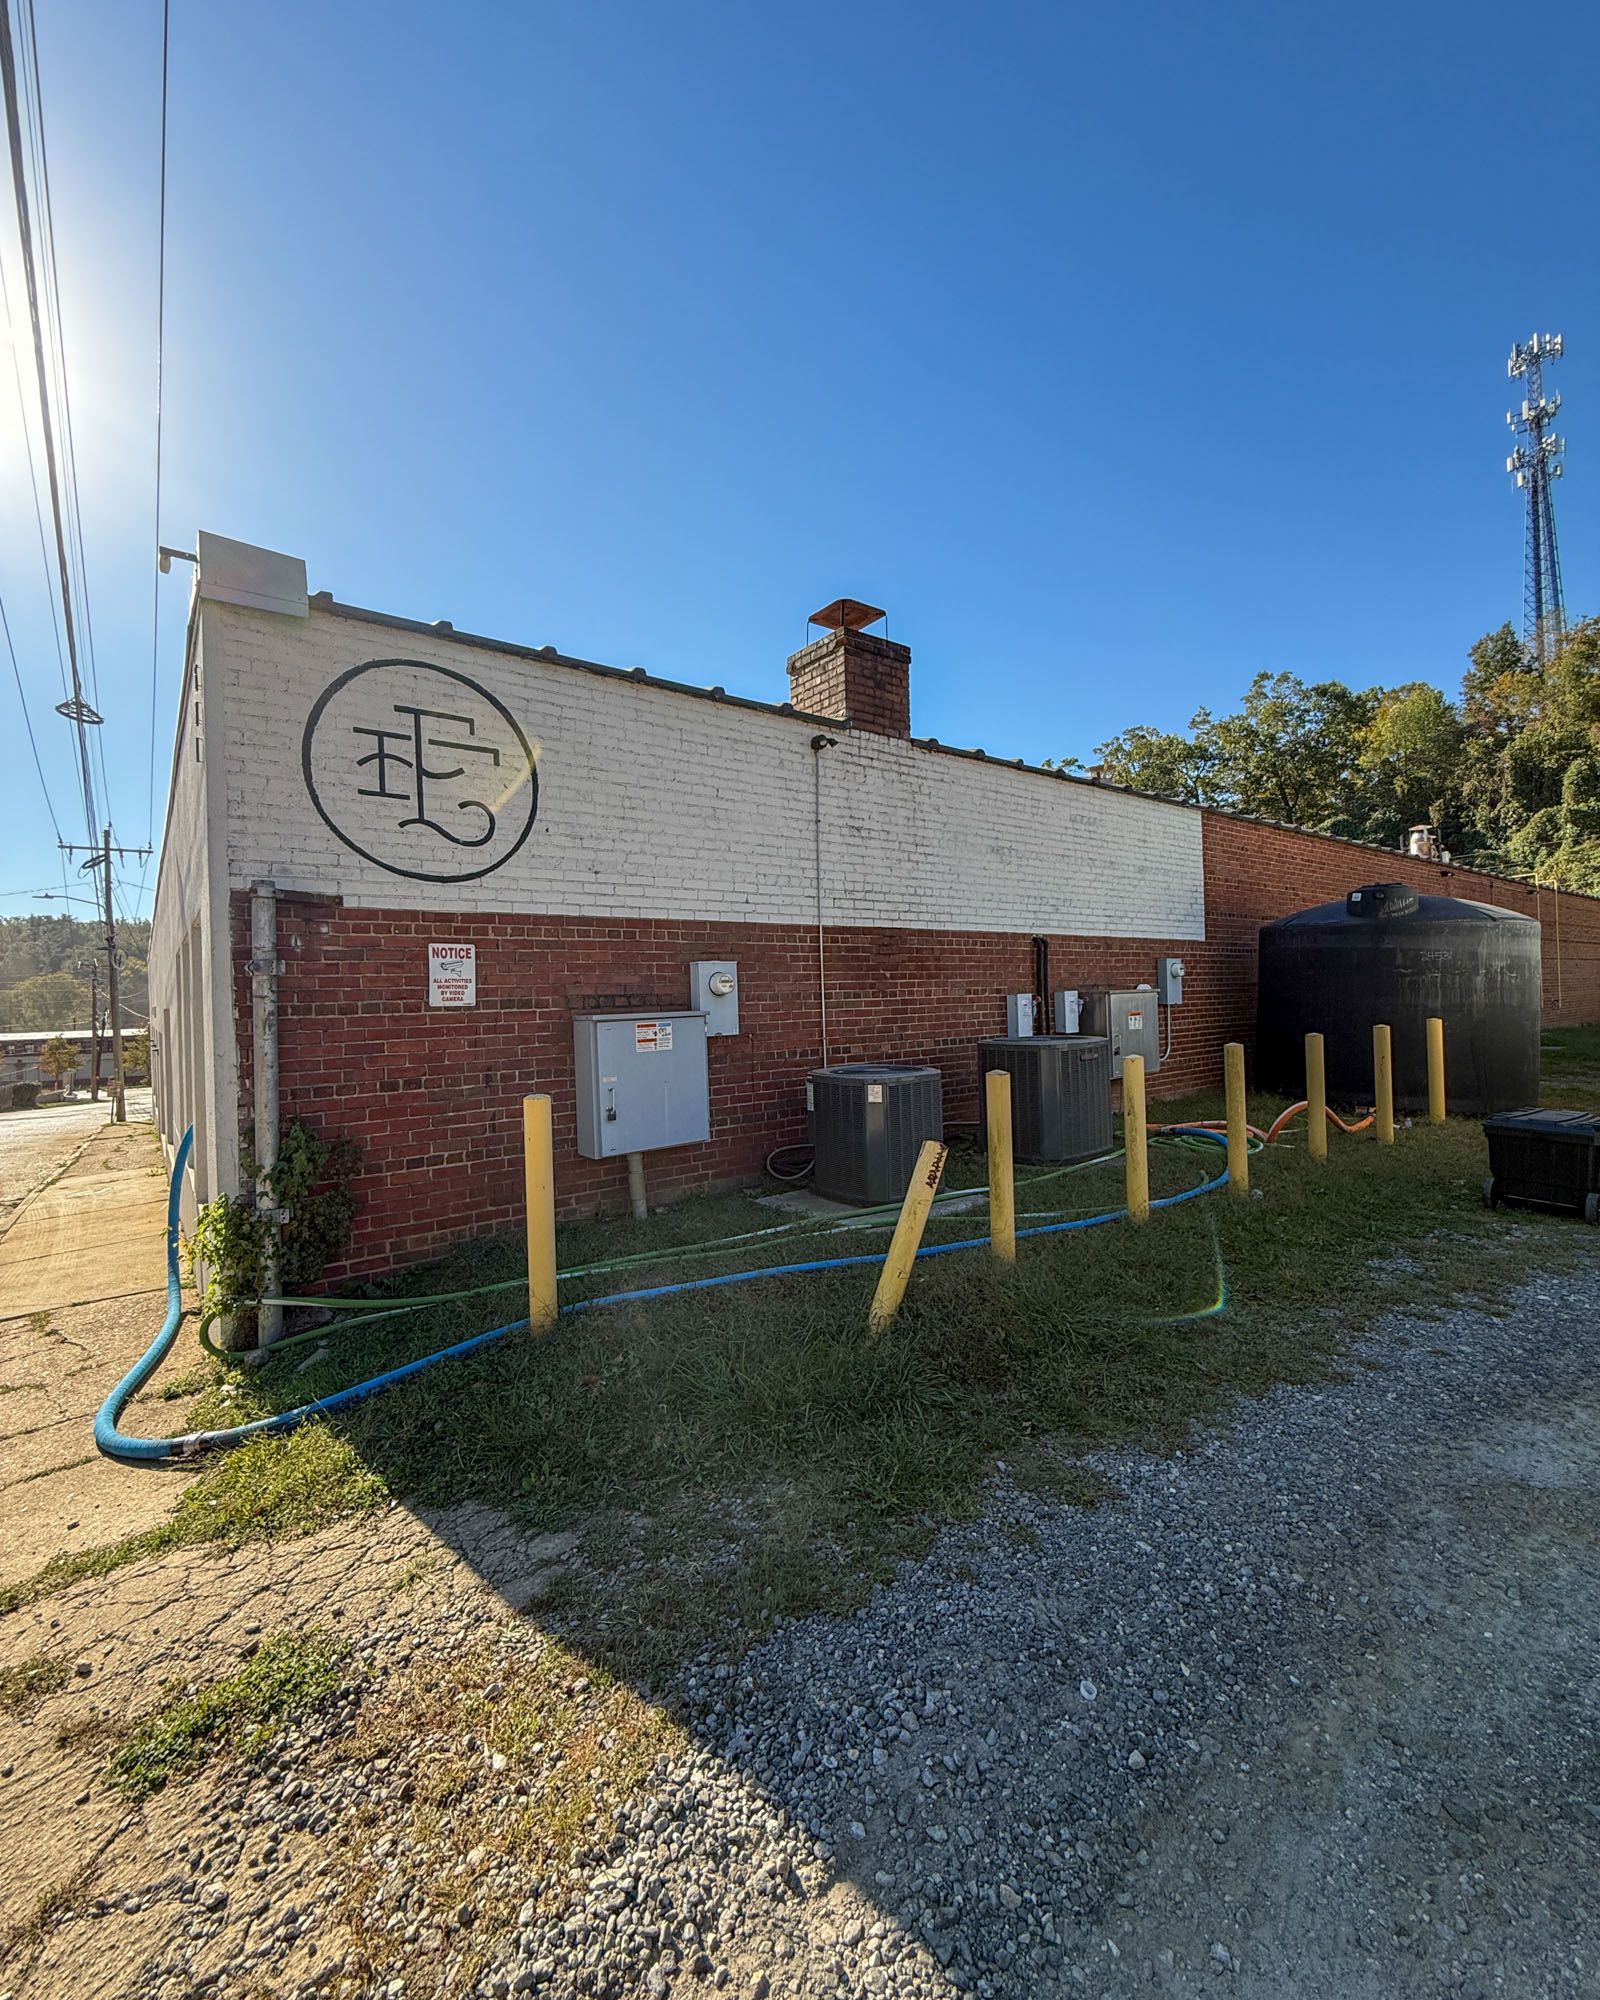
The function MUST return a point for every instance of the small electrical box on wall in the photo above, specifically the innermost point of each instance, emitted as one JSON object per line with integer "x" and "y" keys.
{"x": 1169, "y": 981}
{"x": 1019, "y": 1014}
{"x": 714, "y": 992}
{"x": 1067, "y": 1010}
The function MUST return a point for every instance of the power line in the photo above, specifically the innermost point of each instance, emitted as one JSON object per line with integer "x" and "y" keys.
{"x": 33, "y": 478}
{"x": 27, "y": 723}
{"x": 58, "y": 362}
{"x": 161, "y": 327}
{"x": 77, "y": 709}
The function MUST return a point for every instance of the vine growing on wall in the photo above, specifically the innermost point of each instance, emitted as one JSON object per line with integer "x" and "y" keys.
{"x": 310, "y": 1185}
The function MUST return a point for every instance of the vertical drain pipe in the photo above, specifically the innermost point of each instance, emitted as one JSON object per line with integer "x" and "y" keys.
{"x": 818, "y": 745}
{"x": 264, "y": 968}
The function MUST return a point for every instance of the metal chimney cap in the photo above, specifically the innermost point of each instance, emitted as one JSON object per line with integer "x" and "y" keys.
{"x": 847, "y": 614}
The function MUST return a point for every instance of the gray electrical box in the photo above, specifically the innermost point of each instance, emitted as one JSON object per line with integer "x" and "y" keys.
{"x": 642, "y": 1082}
{"x": 714, "y": 992}
{"x": 1128, "y": 1020}
{"x": 1066, "y": 1011}
{"x": 1019, "y": 1014}
{"x": 1169, "y": 981}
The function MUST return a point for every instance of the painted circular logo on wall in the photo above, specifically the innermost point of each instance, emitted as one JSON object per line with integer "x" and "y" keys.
{"x": 420, "y": 770}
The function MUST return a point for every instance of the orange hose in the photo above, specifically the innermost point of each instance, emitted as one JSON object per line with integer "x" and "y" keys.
{"x": 1277, "y": 1127}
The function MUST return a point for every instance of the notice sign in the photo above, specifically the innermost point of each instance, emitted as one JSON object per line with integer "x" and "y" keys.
{"x": 452, "y": 975}
{"x": 650, "y": 1036}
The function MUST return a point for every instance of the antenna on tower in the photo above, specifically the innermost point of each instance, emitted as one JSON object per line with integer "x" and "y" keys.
{"x": 1535, "y": 462}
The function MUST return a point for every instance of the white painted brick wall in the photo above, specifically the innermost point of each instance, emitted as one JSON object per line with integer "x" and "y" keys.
{"x": 194, "y": 1050}
{"x": 658, "y": 804}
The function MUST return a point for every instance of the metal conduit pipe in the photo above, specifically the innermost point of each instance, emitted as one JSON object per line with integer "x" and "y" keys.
{"x": 820, "y": 743}
{"x": 264, "y": 968}
{"x": 636, "y": 1193}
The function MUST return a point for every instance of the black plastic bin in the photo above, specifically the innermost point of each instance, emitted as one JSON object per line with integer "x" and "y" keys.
{"x": 1545, "y": 1159}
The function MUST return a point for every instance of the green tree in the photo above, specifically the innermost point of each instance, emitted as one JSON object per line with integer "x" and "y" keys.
{"x": 1408, "y": 767}
{"x": 136, "y": 1053}
{"x": 1157, "y": 760}
{"x": 45, "y": 1000}
{"x": 60, "y": 1058}
{"x": 1291, "y": 750}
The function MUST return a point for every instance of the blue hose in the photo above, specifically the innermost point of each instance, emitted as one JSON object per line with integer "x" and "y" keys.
{"x": 150, "y": 1451}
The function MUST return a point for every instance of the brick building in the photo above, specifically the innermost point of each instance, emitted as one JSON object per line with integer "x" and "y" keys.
{"x": 591, "y": 832}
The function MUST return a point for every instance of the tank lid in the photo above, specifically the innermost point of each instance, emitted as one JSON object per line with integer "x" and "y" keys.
{"x": 1382, "y": 899}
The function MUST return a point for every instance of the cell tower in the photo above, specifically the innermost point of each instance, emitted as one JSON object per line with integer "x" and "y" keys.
{"x": 1535, "y": 462}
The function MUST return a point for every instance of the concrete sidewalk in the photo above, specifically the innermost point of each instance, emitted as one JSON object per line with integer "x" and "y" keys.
{"x": 82, "y": 1291}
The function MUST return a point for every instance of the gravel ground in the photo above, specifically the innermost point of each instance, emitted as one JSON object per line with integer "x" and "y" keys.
{"x": 1310, "y": 1707}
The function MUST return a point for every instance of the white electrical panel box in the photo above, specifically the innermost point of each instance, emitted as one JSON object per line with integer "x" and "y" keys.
{"x": 642, "y": 1082}
{"x": 714, "y": 992}
{"x": 1169, "y": 981}
{"x": 1019, "y": 1014}
{"x": 1068, "y": 1007}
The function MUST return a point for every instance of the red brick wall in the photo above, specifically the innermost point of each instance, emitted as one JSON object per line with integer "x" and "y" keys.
{"x": 433, "y": 1097}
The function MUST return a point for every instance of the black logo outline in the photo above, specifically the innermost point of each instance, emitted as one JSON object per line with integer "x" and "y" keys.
{"x": 390, "y": 867}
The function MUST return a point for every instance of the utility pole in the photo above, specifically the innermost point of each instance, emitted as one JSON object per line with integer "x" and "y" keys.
{"x": 119, "y": 1100}
{"x": 93, "y": 970}
{"x": 101, "y": 857}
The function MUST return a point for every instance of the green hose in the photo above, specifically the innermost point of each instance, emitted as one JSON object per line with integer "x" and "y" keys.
{"x": 880, "y": 1216}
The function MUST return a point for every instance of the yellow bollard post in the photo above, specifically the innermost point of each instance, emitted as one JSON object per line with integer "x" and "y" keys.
{"x": 896, "y": 1272}
{"x": 1316, "y": 1099}
{"x": 1238, "y": 1137}
{"x": 1002, "y": 1185}
{"x": 1135, "y": 1138}
{"x": 1435, "y": 1070}
{"x": 540, "y": 1184}
{"x": 1383, "y": 1083}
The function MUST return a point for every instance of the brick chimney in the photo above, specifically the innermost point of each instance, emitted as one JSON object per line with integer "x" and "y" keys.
{"x": 851, "y": 676}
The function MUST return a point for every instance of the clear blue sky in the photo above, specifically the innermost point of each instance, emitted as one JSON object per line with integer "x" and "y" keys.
{"x": 1119, "y": 352}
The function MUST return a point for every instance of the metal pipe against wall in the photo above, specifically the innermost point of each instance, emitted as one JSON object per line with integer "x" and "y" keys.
{"x": 264, "y": 1043}
{"x": 636, "y": 1195}
{"x": 818, "y": 745}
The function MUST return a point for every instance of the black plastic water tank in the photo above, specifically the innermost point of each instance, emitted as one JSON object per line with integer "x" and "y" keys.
{"x": 1387, "y": 954}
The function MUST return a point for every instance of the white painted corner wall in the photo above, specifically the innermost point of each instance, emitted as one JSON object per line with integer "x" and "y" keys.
{"x": 194, "y": 1051}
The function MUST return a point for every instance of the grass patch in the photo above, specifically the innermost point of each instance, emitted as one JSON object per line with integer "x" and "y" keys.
{"x": 287, "y": 1677}
{"x": 25, "y": 1685}
{"x": 268, "y": 1488}
{"x": 740, "y": 1455}
{"x": 1571, "y": 1068}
